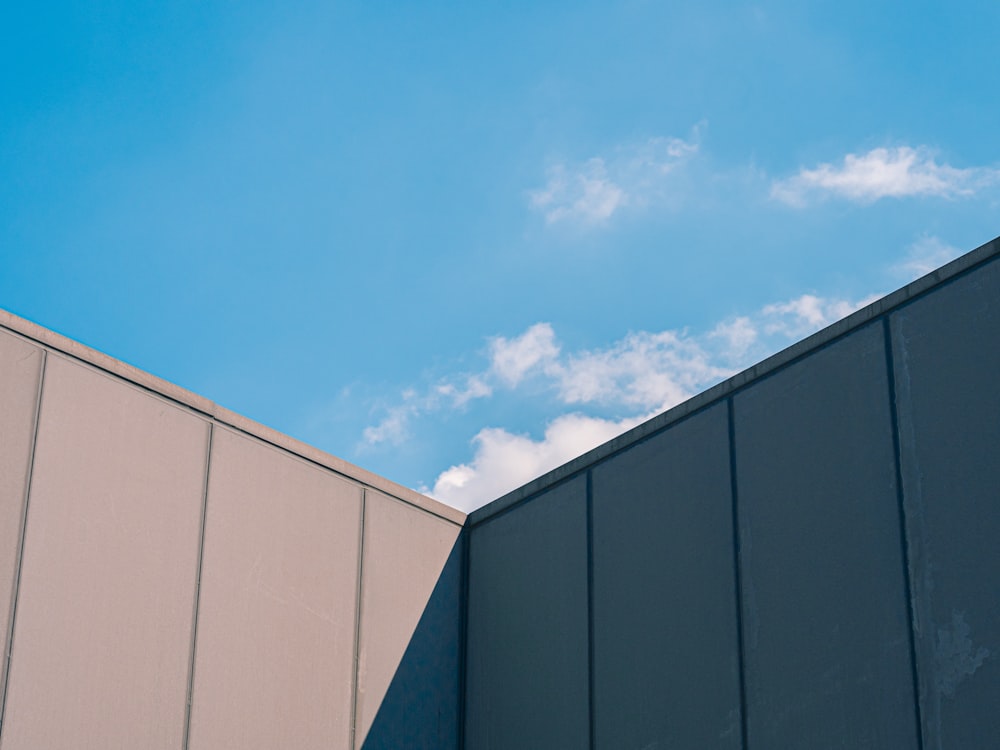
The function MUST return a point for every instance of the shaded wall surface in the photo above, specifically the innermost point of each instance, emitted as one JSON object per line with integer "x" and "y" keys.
{"x": 804, "y": 556}
{"x": 175, "y": 576}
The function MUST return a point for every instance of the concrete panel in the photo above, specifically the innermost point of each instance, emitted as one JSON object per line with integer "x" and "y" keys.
{"x": 946, "y": 349}
{"x": 527, "y": 657}
{"x": 422, "y": 704}
{"x": 274, "y": 659}
{"x": 103, "y": 631}
{"x": 666, "y": 658}
{"x": 20, "y": 369}
{"x": 405, "y": 551}
{"x": 827, "y": 657}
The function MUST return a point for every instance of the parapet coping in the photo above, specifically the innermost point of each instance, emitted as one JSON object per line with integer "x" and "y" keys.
{"x": 219, "y": 414}
{"x": 727, "y": 388}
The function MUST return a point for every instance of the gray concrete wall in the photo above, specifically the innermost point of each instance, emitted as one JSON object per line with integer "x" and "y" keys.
{"x": 528, "y": 624}
{"x": 173, "y": 575}
{"x": 826, "y": 634}
{"x": 946, "y": 356}
{"x": 665, "y": 656}
{"x": 804, "y": 556}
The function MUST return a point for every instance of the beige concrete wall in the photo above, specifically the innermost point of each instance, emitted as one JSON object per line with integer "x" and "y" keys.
{"x": 189, "y": 578}
{"x": 278, "y": 602}
{"x": 404, "y": 556}
{"x": 104, "y": 605}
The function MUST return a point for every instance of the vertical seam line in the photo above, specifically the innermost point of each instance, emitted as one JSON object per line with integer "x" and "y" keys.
{"x": 15, "y": 594}
{"x": 189, "y": 701}
{"x": 737, "y": 571}
{"x": 356, "y": 666}
{"x": 466, "y": 536}
{"x": 903, "y": 538}
{"x": 590, "y": 607}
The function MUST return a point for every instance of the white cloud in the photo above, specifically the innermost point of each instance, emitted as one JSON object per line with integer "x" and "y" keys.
{"x": 475, "y": 387}
{"x": 592, "y": 192}
{"x": 393, "y": 429}
{"x": 925, "y": 255}
{"x": 586, "y": 194}
{"x": 738, "y": 335}
{"x": 884, "y": 173}
{"x": 643, "y": 370}
{"x": 621, "y": 385}
{"x": 642, "y": 374}
{"x": 512, "y": 359}
{"x": 504, "y": 461}
{"x": 804, "y": 315}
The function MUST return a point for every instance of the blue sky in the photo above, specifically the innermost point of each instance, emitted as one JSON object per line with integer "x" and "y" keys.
{"x": 458, "y": 244}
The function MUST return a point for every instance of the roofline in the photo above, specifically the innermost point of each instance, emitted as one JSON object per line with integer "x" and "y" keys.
{"x": 56, "y": 342}
{"x": 717, "y": 393}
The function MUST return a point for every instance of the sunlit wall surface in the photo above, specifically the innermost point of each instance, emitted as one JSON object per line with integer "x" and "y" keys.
{"x": 174, "y": 576}
{"x": 805, "y": 556}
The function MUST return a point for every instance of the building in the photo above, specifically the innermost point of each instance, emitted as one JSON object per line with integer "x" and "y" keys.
{"x": 804, "y": 556}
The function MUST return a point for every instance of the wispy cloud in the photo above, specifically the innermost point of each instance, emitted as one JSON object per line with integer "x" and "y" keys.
{"x": 512, "y": 359}
{"x": 737, "y": 336}
{"x": 394, "y": 427}
{"x": 658, "y": 369}
{"x": 643, "y": 370}
{"x": 643, "y": 373}
{"x": 884, "y": 173}
{"x": 799, "y": 317}
{"x": 460, "y": 395}
{"x": 591, "y": 192}
{"x": 924, "y": 255}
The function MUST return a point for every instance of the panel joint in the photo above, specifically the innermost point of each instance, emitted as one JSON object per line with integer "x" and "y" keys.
{"x": 737, "y": 572}
{"x": 903, "y": 536}
{"x": 356, "y": 663}
{"x": 590, "y": 608}
{"x": 29, "y": 473}
{"x": 189, "y": 701}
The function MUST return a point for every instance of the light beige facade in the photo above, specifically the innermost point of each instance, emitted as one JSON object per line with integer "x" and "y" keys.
{"x": 175, "y": 576}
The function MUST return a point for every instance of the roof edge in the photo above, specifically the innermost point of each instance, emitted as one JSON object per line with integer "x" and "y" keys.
{"x": 74, "y": 349}
{"x": 717, "y": 393}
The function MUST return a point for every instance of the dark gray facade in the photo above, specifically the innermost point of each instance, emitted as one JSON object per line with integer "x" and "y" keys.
{"x": 804, "y": 556}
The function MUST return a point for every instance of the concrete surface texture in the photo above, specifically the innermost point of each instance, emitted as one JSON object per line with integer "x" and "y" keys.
{"x": 278, "y": 596}
{"x": 802, "y": 556}
{"x": 826, "y": 639}
{"x": 20, "y": 375}
{"x": 103, "y": 616}
{"x": 528, "y": 623}
{"x": 176, "y": 576}
{"x": 946, "y": 351}
{"x": 394, "y": 598}
{"x": 662, "y": 537}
